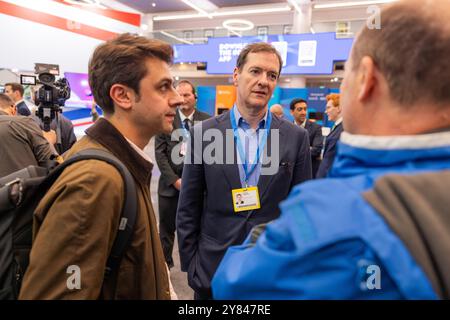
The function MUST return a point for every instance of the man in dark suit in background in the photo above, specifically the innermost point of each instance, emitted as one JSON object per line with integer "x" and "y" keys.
{"x": 15, "y": 92}
{"x": 171, "y": 170}
{"x": 263, "y": 164}
{"x": 334, "y": 113}
{"x": 299, "y": 110}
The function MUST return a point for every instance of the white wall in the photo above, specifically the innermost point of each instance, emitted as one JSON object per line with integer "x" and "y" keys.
{"x": 25, "y": 43}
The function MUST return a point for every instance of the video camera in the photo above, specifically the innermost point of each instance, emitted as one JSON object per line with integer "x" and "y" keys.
{"x": 52, "y": 95}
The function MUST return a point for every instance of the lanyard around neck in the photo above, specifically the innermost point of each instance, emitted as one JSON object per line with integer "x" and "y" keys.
{"x": 261, "y": 144}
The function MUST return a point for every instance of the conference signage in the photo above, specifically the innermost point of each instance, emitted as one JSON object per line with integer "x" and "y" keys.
{"x": 312, "y": 54}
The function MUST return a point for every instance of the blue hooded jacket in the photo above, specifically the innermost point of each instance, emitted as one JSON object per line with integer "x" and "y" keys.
{"x": 329, "y": 243}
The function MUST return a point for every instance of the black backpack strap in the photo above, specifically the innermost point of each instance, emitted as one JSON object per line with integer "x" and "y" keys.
{"x": 129, "y": 210}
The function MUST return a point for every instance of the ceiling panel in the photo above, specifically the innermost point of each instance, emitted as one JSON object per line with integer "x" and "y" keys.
{"x": 235, "y": 3}
{"x": 145, "y": 6}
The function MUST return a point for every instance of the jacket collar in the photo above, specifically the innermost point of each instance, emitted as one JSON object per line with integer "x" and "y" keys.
{"x": 231, "y": 172}
{"x": 356, "y": 154}
{"x": 109, "y": 137}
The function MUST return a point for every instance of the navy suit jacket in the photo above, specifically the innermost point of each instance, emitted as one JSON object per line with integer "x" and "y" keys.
{"x": 329, "y": 151}
{"x": 22, "y": 109}
{"x": 171, "y": 172}
{"x": 206, "y": 222}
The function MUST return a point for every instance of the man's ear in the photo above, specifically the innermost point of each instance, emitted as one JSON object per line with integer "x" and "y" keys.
{"x": 235, "y": 76}
{"x": 122, "y": 96}
{"x": 367, "y": 78}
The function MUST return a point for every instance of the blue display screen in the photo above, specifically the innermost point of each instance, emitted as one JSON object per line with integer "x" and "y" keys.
{"x": 301, "y": 53}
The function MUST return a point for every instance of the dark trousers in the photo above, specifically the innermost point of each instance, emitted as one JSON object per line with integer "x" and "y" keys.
{"x": 167, "y": 219}
{"x": 315, "y": 166}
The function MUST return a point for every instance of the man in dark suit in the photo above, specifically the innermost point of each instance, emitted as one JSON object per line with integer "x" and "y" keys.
{"x": 171, "y": 169}
{"x": 334, "y": 113}
{"x": 245, "y": 151}
{"x": 299, "y": 110}
{"x": 15, "y": 92}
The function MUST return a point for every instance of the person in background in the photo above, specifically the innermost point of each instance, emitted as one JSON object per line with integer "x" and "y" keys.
{"x": 378, "y": 227}
{"x": 170, "y": 180}
{"x": 22, "y": 144}
{"x": 299, "y": 110}
{"x": 15, "y": 91}
{"x": 277, "y": 109}
{"x": 65, "y": 134}
{"x": 334, "y": 113}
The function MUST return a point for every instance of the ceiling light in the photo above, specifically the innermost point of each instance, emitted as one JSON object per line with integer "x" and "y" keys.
{"x": 223, "y": 13}
{"x": 153, "y": 4}
{"x": 350, "y": 4}
{"x": 193, "y": 6}
{"x": 144, "y": 27}
{"x": 250, "y": 11}
{"x": 167, "y": 34}
{"x": 238, "y": 25}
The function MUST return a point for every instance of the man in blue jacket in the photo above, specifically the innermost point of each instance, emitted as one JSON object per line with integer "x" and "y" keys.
{"x": 351, "y": 243}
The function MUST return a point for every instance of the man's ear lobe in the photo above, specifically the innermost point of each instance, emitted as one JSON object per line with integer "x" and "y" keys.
{"x": 367, "y": 78}
{"x": 122, "y": 96}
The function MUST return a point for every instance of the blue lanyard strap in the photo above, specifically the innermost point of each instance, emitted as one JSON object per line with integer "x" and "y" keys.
{"x": 261, "y": 144}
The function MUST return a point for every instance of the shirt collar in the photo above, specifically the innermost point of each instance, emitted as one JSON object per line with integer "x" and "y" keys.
{"x": 190, "y": 117}
{"x": 420, "y": 141}
{"x": 244, "y": 124}
{"x": 139, "y": 151}
{"x": 20, "y": 101}
{"x": 338, "y": 121}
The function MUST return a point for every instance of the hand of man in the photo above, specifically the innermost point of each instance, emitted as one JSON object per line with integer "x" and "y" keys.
{"x": 50, "y": 136}
{"x": 177, "y": 184}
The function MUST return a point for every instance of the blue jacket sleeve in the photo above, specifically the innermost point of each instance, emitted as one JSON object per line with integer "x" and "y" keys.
{"x": 276, "y": 267}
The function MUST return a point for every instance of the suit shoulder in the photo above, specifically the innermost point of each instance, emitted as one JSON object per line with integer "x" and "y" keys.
{"x": 315, "y": 125}
{"x": 211, "y": 122}
{"x": 292, "y": 128}
{"x": 28, "y": 122}
{"x": 203, "y": 115}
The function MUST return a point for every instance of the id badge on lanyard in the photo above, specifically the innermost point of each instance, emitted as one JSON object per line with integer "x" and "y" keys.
{"x": 247, "y": 198}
